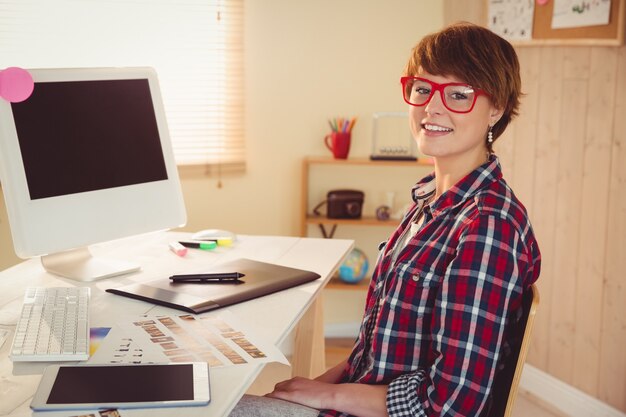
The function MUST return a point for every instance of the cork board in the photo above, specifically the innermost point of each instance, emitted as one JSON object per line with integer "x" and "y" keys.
{"x": 611, "y": 34}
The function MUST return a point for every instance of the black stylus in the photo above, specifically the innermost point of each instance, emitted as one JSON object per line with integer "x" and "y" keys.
{"x": 225, "y": 276}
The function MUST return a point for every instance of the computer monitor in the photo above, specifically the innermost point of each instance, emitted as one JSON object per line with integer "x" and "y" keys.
{"x": 85, "y": 159}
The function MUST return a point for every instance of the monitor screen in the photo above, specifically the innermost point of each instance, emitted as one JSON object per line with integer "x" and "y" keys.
{"x": 87, "y": 158}
{"x": 101, "y": 134}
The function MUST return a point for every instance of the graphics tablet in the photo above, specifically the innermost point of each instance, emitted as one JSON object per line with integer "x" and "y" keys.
{"x": 260, "y": 279}
{"x": 89, "y": 387}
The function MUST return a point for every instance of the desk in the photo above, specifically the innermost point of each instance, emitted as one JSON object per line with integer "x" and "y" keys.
{"x": 273, "y": 317}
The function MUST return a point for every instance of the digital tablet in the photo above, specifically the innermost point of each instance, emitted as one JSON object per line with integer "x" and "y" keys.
{"x": 83, "y": 387}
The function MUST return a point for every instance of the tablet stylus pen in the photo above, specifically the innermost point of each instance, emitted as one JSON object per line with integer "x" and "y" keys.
{"x": 213, "y": 276}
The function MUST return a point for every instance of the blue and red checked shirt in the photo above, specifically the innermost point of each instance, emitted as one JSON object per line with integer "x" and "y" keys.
{"x": 442, "y": 303}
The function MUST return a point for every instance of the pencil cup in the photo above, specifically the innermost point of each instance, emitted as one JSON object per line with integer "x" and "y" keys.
{"x": 338, "y": 143}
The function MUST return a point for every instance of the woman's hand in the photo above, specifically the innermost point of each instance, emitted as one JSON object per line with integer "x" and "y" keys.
{"x": 304, "y": 391}
{"x": 357, "y": 399}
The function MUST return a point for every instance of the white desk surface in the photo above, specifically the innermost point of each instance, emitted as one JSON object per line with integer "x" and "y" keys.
{"x": 273, "y": 316}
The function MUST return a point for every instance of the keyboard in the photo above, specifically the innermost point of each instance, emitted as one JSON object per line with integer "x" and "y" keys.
{"x": 53, "y": 326}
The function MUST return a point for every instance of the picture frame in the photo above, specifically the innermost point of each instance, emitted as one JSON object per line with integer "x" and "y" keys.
{"x": 391, "y": 137}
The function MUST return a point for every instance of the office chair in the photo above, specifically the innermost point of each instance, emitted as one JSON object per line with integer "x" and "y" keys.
{"x": 506, "y": 381}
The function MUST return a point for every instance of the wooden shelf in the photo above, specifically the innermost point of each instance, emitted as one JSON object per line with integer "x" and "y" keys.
{"x": 337, "y": 284}
{"x": 363, "y": 221}
{"x": 307, "y": 219}
{"x": 366, "y": 161}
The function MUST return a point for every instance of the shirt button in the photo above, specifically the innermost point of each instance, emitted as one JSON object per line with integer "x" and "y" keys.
{"x": 416, "y": 278}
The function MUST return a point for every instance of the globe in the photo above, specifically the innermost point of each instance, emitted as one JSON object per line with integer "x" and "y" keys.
{"x": 354, "y": 267}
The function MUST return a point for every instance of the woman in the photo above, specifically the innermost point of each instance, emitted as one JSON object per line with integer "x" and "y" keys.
{"x": 448, "y": 285}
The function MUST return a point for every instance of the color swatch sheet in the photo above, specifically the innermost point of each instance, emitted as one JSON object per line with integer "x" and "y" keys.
{"x": 219, "y": 340}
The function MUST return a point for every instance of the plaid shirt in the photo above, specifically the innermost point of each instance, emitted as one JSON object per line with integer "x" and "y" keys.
{"x": 439, "y": 309}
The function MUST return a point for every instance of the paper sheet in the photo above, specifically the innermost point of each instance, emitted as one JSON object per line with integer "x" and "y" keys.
{"x": 120, "y": 349}
{"x": 219, "y": 340}
{"x": 580, "y": 13}
{"x": 512, "y": 19}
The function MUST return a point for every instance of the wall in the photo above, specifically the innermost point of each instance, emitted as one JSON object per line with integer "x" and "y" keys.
{"x": 304, "y": 63}
{"x": 564, "y": 157}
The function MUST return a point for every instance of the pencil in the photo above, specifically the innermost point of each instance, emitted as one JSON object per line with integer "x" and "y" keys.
{"x": 352, "y": 122}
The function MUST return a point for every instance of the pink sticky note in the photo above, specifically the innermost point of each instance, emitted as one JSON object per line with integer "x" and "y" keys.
{"x": 16, "y": 84}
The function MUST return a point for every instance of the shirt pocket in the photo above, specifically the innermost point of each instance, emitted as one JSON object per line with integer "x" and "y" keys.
{"x": 413, "y": 274}
{"x": 414, "y": 289}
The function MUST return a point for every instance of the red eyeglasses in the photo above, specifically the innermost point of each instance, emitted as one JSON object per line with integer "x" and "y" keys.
{"x": 456, "y": 97}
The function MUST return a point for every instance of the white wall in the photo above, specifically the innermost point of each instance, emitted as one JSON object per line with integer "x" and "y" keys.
{"x": 305, "y": 61}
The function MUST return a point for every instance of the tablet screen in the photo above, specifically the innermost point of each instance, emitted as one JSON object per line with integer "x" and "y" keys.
{"x": 119, "y": 384}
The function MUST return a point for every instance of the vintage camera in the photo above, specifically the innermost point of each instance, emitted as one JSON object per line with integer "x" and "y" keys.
{"x": 344, "y": 204}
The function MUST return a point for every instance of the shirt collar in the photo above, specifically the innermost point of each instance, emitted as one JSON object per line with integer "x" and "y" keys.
{"x": 467, "y": 187}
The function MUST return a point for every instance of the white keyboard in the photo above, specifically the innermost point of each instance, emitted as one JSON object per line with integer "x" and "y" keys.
{"x": 53, "y": 326}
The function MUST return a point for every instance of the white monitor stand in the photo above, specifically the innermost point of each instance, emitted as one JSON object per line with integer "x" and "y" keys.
{"x": 80, "y": 265}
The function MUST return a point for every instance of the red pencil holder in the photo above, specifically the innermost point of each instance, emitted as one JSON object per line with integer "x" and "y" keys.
{"x": 338, "y": 143}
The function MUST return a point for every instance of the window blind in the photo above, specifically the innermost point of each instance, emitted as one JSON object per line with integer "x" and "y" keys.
{"x": 196, "y": 47}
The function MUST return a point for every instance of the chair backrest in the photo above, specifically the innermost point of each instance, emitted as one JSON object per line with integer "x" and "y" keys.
{"x": 506, "y": 382}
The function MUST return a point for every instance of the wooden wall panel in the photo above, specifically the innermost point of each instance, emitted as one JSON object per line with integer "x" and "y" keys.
{"x": 594, "y": 210}
{"x": 567, "y": 164}
{"x": 544, "y": 186}
{"x": 567, "y": 217}
{"x": 612, "y": 378}
{"x": 504, "y": 147}
{"x": 525, "y": 129}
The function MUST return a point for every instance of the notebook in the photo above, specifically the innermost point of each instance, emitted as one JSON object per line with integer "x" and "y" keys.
{"x": 260, "y": 279}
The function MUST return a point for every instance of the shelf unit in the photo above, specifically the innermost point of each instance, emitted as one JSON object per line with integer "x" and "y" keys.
{"x": 345, "y": 301}
{"x": 308, "y": 218}
{"x": 337, "y": 284}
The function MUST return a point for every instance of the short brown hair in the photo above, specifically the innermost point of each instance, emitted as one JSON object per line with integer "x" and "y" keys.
{"x": 477, "y": 56}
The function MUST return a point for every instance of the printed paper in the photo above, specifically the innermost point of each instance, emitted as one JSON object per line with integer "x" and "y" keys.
{"x": 512, "y": 19}
{"x": 120, "y": 349}
{"x": 219, "y": 340}
{"x": 578, "y": 13}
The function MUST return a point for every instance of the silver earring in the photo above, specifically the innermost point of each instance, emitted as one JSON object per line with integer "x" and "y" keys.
{"x": 490, "y": 135}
